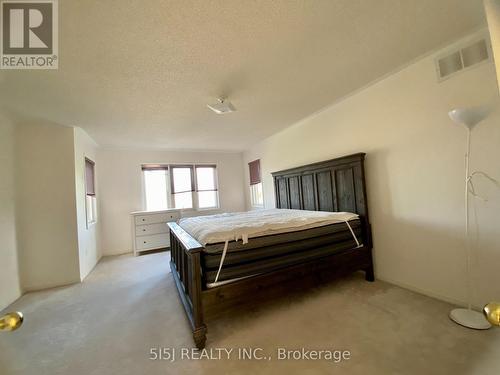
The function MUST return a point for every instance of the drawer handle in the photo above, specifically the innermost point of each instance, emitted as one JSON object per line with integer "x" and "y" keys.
{"x": 144, "y": 241}
{"x": 143, "y": 219}
{"x": 144, "y": 230}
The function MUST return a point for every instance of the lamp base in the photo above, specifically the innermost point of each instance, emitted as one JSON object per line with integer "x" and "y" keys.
{"x": 469, "y": 318}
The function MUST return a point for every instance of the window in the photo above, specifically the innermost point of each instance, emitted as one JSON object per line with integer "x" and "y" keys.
{"x": 180, "y": 186}
{"x": 155, "y": 186}
{"x": 206, "y": 186}
{"x": 256, "y": 195}
{"x": 90, "y": 197}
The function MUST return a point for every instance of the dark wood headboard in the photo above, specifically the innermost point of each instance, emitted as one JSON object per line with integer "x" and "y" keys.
{"x": 332, "y": 185}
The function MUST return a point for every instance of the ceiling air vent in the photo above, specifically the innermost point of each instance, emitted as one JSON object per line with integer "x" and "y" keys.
{"x": 464, "y": 58}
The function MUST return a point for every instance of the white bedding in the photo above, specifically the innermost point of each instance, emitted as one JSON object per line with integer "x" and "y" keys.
{"x": 244, "y": 225}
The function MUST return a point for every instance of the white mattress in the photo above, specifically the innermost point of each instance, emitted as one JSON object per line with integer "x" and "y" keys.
{"x": 244, "y": 225}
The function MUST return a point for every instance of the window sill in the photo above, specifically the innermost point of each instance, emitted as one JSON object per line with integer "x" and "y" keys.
{"x": 257, "y": 207}
{"x": 207, "y": 209}
{"x": 199, "y": 212}
{"x": 196, "y": 209}
{"x": 179, "y": 209}
{"x": 156, "y": 211}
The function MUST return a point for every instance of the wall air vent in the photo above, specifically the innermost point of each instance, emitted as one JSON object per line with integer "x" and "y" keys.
{"x": 462, "y": 59}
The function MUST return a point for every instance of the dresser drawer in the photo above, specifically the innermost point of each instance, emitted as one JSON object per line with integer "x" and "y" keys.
{"x": 156, "y": 218}
{"x": 146, "y": 230}
{"x": 153, "y": 241}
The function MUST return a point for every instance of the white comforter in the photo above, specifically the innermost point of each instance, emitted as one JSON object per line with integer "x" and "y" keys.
{"x": 243, "y": 225}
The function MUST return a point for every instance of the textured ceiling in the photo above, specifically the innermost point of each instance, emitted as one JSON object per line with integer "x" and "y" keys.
{"x": 140, "y": 73}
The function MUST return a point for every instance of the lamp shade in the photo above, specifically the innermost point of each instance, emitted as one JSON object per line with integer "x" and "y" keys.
{"x": 469, "y": 117}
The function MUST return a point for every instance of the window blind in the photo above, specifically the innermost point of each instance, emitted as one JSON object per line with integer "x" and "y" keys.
{"x": 254, "y": 168}
{"x": 154, "y": 167}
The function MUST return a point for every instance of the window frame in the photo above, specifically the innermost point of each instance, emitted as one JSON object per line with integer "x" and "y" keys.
{"x": 216, "y": 187}
{"x": 152, "y": 167}
{"x": 254, "y": 182}
{"x": 170, "y": 185}
{"x": 253, "y": 194}
{"x": 90, "y": 198}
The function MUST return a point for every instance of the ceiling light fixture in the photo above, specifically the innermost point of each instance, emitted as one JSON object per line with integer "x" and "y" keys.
{"x": 223, "y": 106}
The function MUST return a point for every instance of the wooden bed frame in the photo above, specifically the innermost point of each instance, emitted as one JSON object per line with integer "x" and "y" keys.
{"x": 333, "y": 185}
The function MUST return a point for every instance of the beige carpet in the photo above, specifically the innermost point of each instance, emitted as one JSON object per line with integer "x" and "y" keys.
{"x": 128, "y": 305}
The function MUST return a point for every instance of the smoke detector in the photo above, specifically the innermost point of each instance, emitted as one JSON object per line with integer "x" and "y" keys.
{"x": 223, "y": 106}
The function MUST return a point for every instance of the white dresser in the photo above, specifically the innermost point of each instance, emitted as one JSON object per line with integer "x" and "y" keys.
{"x": 150, "y": 230}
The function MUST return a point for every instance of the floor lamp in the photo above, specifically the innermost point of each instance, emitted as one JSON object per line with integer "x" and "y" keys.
{"x": 492, "y": 313}
{"x": 11, "y": 321}
{"x": 468, "y": 117}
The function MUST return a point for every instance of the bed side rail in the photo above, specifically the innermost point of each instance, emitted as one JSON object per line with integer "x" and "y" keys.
{"x": 185, "y": 264}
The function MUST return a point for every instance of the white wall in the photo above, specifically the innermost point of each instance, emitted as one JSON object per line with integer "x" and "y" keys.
{"x": 415, "y": 173}
{"x": 46, "y": 206}
{"x": 9, "y": 276}
{"x": 89, "y": 252}
{"x": 120, "y": 188}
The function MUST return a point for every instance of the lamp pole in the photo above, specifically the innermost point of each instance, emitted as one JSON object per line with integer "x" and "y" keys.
{"x": 467, "y": 240}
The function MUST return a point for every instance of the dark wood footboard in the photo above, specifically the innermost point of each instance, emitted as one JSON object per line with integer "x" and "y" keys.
{"x": 186, "y": 270}
{"x": 197, "y": 300}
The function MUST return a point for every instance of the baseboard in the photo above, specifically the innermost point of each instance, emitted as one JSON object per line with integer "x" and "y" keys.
{"x": 425, "y": 292}
{"x": 30, "y": 289}
{"x": 10, "y": 301}
{"x": 111, "y": 254}
{"x": 93, "y": 267}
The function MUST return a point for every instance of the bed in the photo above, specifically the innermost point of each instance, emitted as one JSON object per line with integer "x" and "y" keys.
{"x": 320, "y": 227}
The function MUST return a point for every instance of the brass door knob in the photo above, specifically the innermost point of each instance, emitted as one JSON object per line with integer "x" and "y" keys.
{"x": 492, "y": 313}
{"x": 11, "y": 321}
